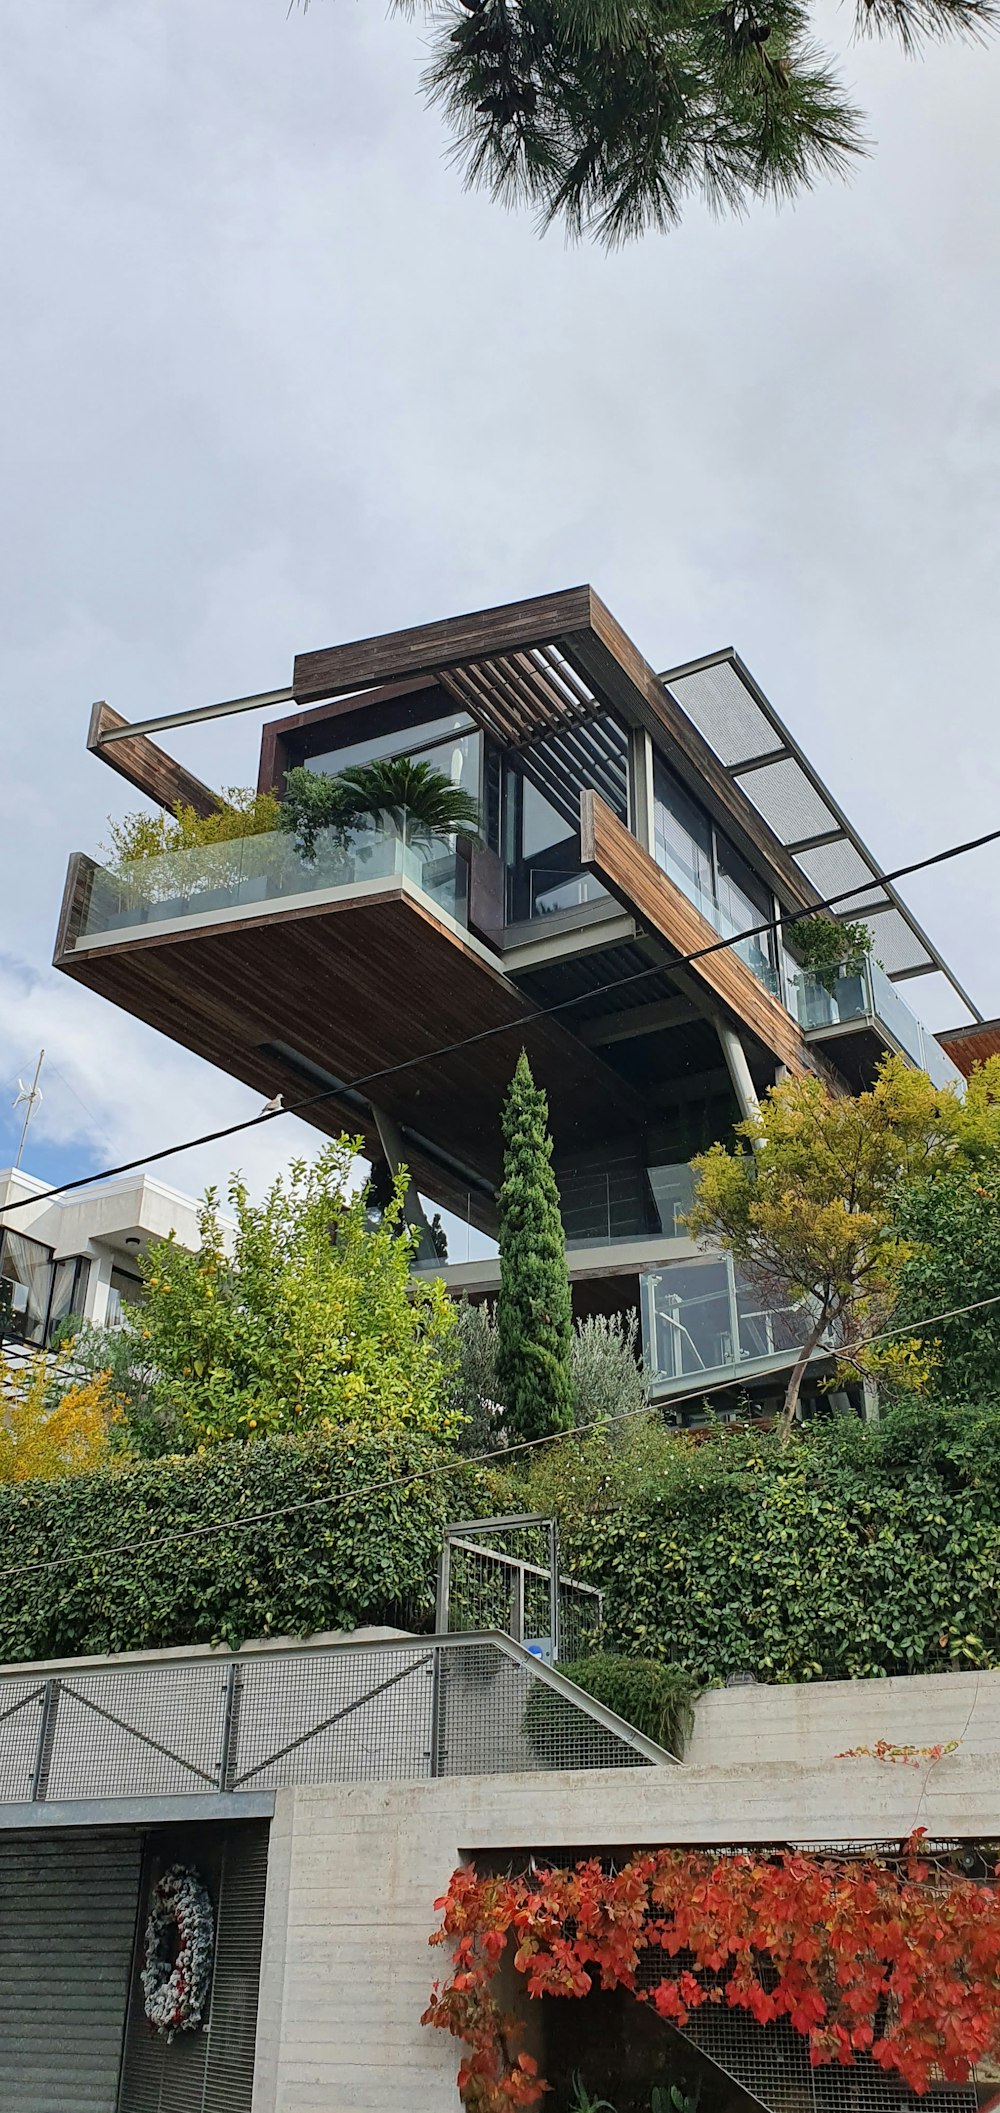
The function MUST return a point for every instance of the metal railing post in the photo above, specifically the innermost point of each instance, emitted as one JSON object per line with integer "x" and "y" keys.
{"x": 443, "y": 1587}
{"x": 230, "y": 1725}
{"x": 553, "y": 1593}
{"x": 517, "y": 1603}
{"x": 437, "y": 1754}
{"x": 43, "y": 1750}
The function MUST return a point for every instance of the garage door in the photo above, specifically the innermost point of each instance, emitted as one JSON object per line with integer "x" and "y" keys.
{"x": 68, "y": 1907}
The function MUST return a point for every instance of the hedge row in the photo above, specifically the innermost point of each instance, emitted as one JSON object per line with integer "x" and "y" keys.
{"x": 855, "y": 1551}
{"x": 143, "y": 1557}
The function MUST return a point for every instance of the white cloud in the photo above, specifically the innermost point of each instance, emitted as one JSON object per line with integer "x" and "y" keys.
{"x": 271, "y": 379}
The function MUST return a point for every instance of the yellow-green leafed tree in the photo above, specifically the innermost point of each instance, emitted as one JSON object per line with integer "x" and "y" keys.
{"x": 49, "y": 1428}
{"x": 806, "y": 1208}
{"x": 309, "y": 1317}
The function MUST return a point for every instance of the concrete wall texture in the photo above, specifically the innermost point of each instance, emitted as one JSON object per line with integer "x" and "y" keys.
{"x": 354, "y": 1869}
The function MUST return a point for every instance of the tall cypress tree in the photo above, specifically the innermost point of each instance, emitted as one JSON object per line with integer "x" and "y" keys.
{"x": 534, "y": 1317}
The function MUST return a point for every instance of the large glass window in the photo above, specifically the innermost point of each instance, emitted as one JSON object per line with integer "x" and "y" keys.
{"x": 25, "y": 1286}
{"x": 541, "y": 853}
{"x": 711, "y": 873}
{"x": 683, "y": 836}
{"x": 69, "y": 1291}
{"x": 451, "y": 745}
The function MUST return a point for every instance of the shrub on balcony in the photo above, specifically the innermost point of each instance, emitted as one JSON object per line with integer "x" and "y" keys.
{"x": 241, "y": 812}
{"x": 413, "y": 798}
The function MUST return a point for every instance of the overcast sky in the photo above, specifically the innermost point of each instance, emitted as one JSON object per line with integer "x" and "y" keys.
{"x": 271, "y": 380}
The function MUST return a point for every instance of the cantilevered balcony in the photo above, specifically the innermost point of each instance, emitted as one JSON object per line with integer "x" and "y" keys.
{"x": 222, "y": 881}
{"x": 859, "y": 1015}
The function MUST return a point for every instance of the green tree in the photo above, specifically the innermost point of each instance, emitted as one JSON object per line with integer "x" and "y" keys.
{"x": 313, "y": 1319}
{"x": 809, "y": 1212}
{"x": 949, "y": 1215}
{"x": 610, "y": 117}
{"x": 534, "y": 1317}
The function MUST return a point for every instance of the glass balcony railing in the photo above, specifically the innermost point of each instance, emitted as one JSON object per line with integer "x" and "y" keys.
{"x": 750, "y": 951}
{"x": 701, "y": 1321}
{"x": 607, "y": 1211}
{"x": 848, "y": 998}
{"x": 255, "y": 870}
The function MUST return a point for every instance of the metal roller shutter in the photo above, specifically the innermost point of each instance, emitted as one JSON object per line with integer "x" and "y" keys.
{"x": 67, "y": 1925}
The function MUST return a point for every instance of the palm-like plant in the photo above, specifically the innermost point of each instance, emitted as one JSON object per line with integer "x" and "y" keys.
{"x": 418, "y": 800}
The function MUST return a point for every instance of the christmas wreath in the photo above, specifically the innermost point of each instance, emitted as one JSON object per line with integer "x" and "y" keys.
{"x": 177, "y": 1954}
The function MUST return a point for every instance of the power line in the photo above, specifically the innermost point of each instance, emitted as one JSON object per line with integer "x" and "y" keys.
{"x": 527, "y": 1019}
{"x": 459, "y": 1463}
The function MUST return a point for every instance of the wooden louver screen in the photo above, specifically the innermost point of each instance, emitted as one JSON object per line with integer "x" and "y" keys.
{"x": 518, "y": 696}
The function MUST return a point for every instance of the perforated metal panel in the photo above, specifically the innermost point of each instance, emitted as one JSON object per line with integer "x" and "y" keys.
{"x": 67, "y": 1922}
{"x": 729, "y": 709}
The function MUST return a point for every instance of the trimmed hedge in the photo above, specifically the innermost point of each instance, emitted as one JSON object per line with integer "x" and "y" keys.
{"x": 657, "y": 1699}
{"x": 333, "y": 1565}
{"x": 853, "y": 1552}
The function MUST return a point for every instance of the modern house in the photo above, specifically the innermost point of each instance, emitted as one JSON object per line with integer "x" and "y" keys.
{"x": 630, "y": 819}
{"x": 78, "y": 1255}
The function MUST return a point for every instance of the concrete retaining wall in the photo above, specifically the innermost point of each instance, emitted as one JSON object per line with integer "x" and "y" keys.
{"x": 354, "y": 1871}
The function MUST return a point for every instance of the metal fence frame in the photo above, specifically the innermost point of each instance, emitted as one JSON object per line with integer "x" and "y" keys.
{"x": 458, "y": 1535}
{"x": 223, "y": 1770}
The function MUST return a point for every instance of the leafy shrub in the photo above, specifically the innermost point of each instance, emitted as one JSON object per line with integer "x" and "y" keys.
{"x": 658, "y": 1699}
{"x": 312, "y": 1318}
{"x": 49, "y": 1428}
{"x": 148, "y": 1555}
{"x": 241, "y": 812}
{"x": 605, "y": 1374}
{"x": 857, "y": 1550}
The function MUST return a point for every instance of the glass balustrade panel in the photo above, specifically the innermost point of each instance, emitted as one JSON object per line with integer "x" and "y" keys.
{"x": 261, "y": 869}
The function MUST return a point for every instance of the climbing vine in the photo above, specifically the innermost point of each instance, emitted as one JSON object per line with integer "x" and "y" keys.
{"x": 898, "y": 1961}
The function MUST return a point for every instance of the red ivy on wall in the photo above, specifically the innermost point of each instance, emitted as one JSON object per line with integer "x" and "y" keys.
{"x": 898, "y": 1960}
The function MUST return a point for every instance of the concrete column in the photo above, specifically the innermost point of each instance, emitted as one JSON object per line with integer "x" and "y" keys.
{"x": 413, "y": 1210}
{"x": 738, "y": 1068}
{"x": 640, "y": 795}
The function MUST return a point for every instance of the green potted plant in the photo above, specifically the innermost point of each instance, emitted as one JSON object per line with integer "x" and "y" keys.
{"x": 836, "y": 955}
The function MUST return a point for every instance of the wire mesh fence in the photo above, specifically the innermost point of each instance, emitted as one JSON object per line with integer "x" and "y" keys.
{"x": 504, "y": 1574}
{"x": 371, "y": 1711}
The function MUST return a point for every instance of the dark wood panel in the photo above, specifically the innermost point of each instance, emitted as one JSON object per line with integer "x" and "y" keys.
{"x": 74, "y": 901}
{"x": 302, "y": 733}
{"x": 637, "y": 882}
{"x": 147, "y": 767}
{"x": 425, "y": 647}
{"x": 360, "y": 989}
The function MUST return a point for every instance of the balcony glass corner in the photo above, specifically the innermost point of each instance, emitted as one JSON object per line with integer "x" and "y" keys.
{"x": 258, "y": 870}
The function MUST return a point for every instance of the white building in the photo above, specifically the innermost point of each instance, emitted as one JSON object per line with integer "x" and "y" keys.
{"x": 79, "y": 1253}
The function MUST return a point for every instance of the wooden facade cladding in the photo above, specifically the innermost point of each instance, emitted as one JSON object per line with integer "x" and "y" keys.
{"x": 370, "y": 990}
{"x": 525, "y": 668}
{"x": 637, "y": 882}
{"x": 147, "y": 767}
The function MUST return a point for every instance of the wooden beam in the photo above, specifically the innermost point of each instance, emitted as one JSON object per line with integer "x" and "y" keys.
{"x": 634, "y": 878}
{"x": 147, "y": 767}
{"x": 637, "y": 1020}
{"x": 426, "y": 647}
